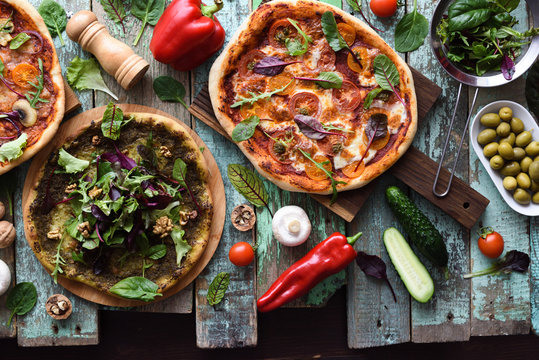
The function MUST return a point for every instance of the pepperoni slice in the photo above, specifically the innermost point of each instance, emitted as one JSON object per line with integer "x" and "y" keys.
{"x": 280, "y": 31}
{"x": 347, "y": 32}
{"x": 315, "y": 173}
{"x": 248, "y": 62}
{"x": 281, "y": 145}
{"x": 348, "y": 97}
{"x": 304, "y": 103}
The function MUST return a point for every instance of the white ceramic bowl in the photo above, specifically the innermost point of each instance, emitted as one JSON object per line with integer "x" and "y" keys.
{"x": 529, "y": 124}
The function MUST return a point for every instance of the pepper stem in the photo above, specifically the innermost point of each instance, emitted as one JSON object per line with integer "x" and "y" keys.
{"x": 353, "y": 239}
{"x": 209, "y": 10}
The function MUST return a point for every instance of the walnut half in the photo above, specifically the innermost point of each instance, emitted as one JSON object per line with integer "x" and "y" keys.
{"x": 243, "y": 217}
{"x": 58, "y": 307}
{"x": 7, "y": 234}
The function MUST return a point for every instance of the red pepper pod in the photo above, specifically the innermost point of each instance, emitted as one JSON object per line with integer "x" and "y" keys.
{"x": 327, "y": 258}
{"x": 187, "y": 34}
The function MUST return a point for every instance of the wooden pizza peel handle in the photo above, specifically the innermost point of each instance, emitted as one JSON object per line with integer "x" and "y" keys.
{"x": 116, "y": 58}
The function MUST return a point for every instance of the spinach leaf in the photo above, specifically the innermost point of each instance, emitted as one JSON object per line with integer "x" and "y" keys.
{"x": 327, "y": 80}
{"x": 312, "y": 128}
{"x": 136, "y": 288}
{"x": 218, "y": 287}
{"x": 294, "y": 46}
{"x": 411, "y": 31}
{"x": 70, "y": 163}
{"x": 13, "y": 150}
{"x": 249, "y": 185}
{"x": 245, "y": 129}
{"x": 271, "y": 66}
{"x": 387, "y": 75}
{"x": 115, "y": 10}
{"x": 147, "y": 11}
{"x": 54, "y": 16}
{"x": 21, "y": 299}
{"x": 113, "y": 121}
{"x": 329, "y": 174}
{"x": 18, "y": 40}
{"x": 532, "y": 89}
{"x": 85, "y": 74}
{"x": 169, "y": 89}
{"x": 467, "y": 14}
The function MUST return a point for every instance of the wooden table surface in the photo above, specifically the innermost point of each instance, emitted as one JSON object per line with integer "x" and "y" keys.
{"x": 366, "y": 313}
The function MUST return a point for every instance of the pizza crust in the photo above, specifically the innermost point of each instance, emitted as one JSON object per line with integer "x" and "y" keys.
{"x": 247, "y": 34}
{"x": 27, "y": 10}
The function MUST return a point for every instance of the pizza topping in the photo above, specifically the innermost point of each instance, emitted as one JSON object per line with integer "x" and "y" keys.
{"x": 255, "y": 97}
{"x": 24, "y": 74}
{"x": 6, "y": 28}
{"x": 70, "y": 163}
{"x": 327, "y": 80}
{"x": 248, "y": 62}
{"x": 271, "y": 66}
{"x": 333, "y": 37}
{"x": 387, "y": 75}
{"x": 19, "y": 40}
{"x": 347, "y": 32}
{"x": 245, "y": 129}
{"x": 164, "y": 151}
{"x": 54, "y": 234}
{"x": 280, "y": 81}
{"x": 70, "y": 188}
{"x": 27, "y": 114}
{"x": 34, "y": 96}
{"x": 294, "y": 45}
{"x": 186, "y": 216}
{"x": 327, "y": 173}
{"x": 312, "y": 128}
{"x": 361, "y": 62}
{"x": 24, "y": 37}
{"x": 348, "y": 97}
{"x": 304, "y": 103}
{"x": 13, "y": 150}
{"x": 376, "y": 129}
{"x": 85, "y": 229}
{"x": 279, "y": 111}
{"x": 163, "y": 226}
{"x": 281, "y": 145}
{"x": 280, "y": 31}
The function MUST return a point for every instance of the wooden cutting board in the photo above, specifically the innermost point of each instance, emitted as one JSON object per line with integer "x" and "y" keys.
{"x": 415, "y": 169}
{"x": 83, "y": 120}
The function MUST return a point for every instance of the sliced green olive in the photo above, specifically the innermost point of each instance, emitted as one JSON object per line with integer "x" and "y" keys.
{"x": 534, "y": 171}
{"x": 518, "y": 153}
{"x": 535, "y": 198}
{"x": 523, "y": 139}
{"x": 533, "y": 149}
{"x": 517, "y": 126}
{"x": 486, "y": 136}
{"x": 496, "y": 162}
{"x": 503, "y": 129}
{"x": 505, "y": 150}
{"x": 490, "y": 120}
{"x": 509, "y": 183}
{"x": 523, "y": 180}
{"x": 512, "y": 168}
{"x": 525, "y": 163}
{"x": 506, "y": 113}
{"x": 509, "y": 138}
{"x": 521, "y": 196}
{"x": 490, "y": 149}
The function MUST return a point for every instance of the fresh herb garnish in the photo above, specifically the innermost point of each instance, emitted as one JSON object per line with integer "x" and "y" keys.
{"x": 113, "y": 121}
{"x": 54, "y": 16}
{"x": 327, "y": 80}
{"x": 34, "y": 98}
{"x": 271, "y": 66}
{"x": 59, "y": 261}
{"x": 514, "y": 260}
{"x": 312, "y": 128}
{"x": 333, "y": 37}
{"x": 296, "y": 47}
{"x": 373, "y": 266}
{"x": 255, "y": 97}
{"x": 245, "y": 129}
{"x": 13, "y": 150}
{"x": 356, "y": 5}
{"x": 329, "y": 174}
{"x": 85, "y": 74}
{"x": 387, "y": 76}
{"x": 21, "y": 299}
{"x": 136, "y": 288}
{"x": 115, "y": 10}
{"x": 371, "y": 96}
{"x": 411, "y": 31}
{"x": 181, "y": 246}
{"x": 336, "y": 128}
{"x": 169, "y": 89}
{"x": 147, "y": 11}
{"x": 179, "y": 173}
{"x": 19, "y": 40}
{"x": 376, "y": 129}
{"x": 217, "y": 289}
{"x": 70, "y": 163}
{"x": 249, "y": 185}
{"x": 7, "y": 24}
{"x": 532, "y": 89}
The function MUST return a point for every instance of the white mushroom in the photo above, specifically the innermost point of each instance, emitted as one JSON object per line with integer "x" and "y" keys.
{"x": 27, "y": 113}
{"x": 291, "y": 225}
{"x": 5, "y": 277}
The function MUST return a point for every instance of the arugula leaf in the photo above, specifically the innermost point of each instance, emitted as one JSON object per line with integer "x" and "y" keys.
{"x": 245, "y": 129}
{"x": 294, "y": 46}
{"x": 13, "y": 150}
{"x": 217, "y": 289}
{"x": 147, "y": 11}
{"x": 39, "y": 87}
{"x": 371, "y": 96}
{"x": 411, "y": 31}
{"x": 85, "y": 74}
{"x": 181, "y": 246}
{"x": 115, "y": 10}
{"x": 70, "y": 163}
{"x": 19, "y": 40}
{"x": 327, "y": 80}
{"x": 387, "y": 75}
{"x": 21, "y": 299}
{"x": 59, "y": 261}
{"x": 136, "y": 288}
{"x": 54, "y": 16}
{"x": 169, "y": 89}
{"x": 329, "y": 174}
{"x": 113, "y": 121}
{"x": 249, "y": 185}
{"x": 532, "y": 89}
{"x": 255, "y": 97}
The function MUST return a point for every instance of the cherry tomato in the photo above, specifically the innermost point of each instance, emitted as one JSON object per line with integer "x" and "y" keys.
{"x": 247, "y": 63}
{"x": 281, "y": 145}
{"x": 241, "y": 254}
{"x": 23, "y": 73}
{"x": 315, "y": 173}
{"x": 305, "y": 103}
{"x": 384, "y": 8}
{"x": 347, "y": 32}
{"x": 280, "y": 31}
{"x": 280, "y": 81}
{"x": 490, "y": 242}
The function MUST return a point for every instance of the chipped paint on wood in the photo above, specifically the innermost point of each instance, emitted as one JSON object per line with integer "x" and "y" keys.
{"x": 534, "y": 273}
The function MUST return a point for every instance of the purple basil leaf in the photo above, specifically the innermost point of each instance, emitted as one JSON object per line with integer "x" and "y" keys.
{"x": 99, "y": 214}
{"x": 271, "y": 66}
{"x": 114, "y": 193}
{"x": 508, "y": 67}
{"x": 312, "y": 128}
{"x": 373, "y": 266}
{"x": 125, "y": 161}
{"x": 377, "y": 124}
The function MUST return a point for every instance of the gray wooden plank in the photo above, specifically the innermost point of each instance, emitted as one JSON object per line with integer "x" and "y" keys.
{"x": 534, "y": 274}
{"x": 8, "y": 256}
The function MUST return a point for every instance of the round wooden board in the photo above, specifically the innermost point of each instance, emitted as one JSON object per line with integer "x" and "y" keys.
{"x": 83, "y": 120}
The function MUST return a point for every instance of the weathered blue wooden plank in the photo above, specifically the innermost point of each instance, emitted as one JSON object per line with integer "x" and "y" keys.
{"x": 534, "y": 274}
{"x": 8, "y": 256}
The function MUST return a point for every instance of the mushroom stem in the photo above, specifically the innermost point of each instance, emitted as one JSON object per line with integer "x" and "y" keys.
{"x": 353, "y": 239}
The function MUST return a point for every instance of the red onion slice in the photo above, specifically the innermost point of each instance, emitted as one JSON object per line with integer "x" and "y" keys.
{"x": 40, "y": 38}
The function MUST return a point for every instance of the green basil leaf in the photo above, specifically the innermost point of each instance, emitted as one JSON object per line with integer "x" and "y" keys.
{"x": 86, "y": 74}
{"x": 115, "y": 10}
{"x": 136, "y": 288}
{"x": 532, "y": 89}
{"x": 147, "y": 11}
{"x": 371, "y": 96}
{"x": 169, "y": 89}
{"x": 248, "y": 184}
{"x": 411, "y": 31}
{"x": 329, "y": 27}
{"x": 245, "y": 129}
{"x": 70, "y": 163}
{"x": 54, "y": 16}
{"x": 156, "y": 252}
{"x": 329, "y": 80}
{"x": 217, "y": 289}
{"x": 21, "y": 299}
{"x": 113, "y": 121}
{"x": 19, "y": 40}
{"x": 13, "y": 150}
{"x": 181, "y": 246}
{"x": 467, "y": 14}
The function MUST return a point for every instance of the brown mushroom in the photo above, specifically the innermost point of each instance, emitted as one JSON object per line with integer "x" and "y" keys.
{"x": 243, "y": 217}
{"x": 2, "y": 210}
{"x": 58, "y": 307}
{"x": 7, "y": 234}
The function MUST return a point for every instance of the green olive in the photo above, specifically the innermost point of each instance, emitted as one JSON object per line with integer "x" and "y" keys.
{"x": 490, "y": 149}
{"x": 523, "y": 139}
{"x": 503, "y": 129}
{"x": 518, "y": 153}
{"x": 517, "y": 126}
{"x": 505, "y": 150}
{"x": 536, "y": 158}
{"x": 535, "y": 186}
{"x": 496, "y": 162}
{"x": 533, "y": 170}
{"x": 525, "y": 163}
{"x": 509, "y": 138}
{"x": 523, "y": 180}
{"x": 533, "y": 149}
{"x": 512, "y": 168}
{"x": 521, "y": 196}
{"x": 490, "y": 120}
{"x": 509, "y": 183}
{"x": 506, "y": 113}
{"x": 535, "y": 198}
{"x": 486, "y": 136}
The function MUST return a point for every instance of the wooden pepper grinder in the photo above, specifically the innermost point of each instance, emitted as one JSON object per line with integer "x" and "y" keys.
{"x": 116, "y": 58}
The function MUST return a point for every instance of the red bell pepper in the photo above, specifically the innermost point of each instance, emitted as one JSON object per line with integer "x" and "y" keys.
{"x": 187, "y": 34}
{"x": 327, "y": 258}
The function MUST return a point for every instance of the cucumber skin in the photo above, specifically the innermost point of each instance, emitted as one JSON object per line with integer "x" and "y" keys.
{"x": 421, "y": 231}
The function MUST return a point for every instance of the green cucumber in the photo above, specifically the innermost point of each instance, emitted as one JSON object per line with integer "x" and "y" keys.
{"x": 412, "y": 272}
{"x": 422, "y": 233}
